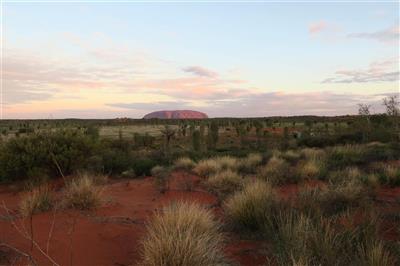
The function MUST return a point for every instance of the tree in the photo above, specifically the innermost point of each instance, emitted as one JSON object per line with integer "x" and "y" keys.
{"x": 392, "y": 105}
{"x": 364, "y": 111}
{"x": 167, "y": 133}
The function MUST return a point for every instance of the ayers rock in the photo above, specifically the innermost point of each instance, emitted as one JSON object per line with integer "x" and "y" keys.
{"x": 176, "y": 114}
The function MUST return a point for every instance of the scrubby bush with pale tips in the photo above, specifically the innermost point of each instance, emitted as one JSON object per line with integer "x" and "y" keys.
{"x": 82, "y": 193}
{"x": 184, "y": 163}
{"x": 248, "y": 209}
{"x": 224, "y": 182}
{"x": 276, "y": 171}
{"x": 207, "y": 167}
{"x": 183, "y": 234}
{"x": 250, "y": 163}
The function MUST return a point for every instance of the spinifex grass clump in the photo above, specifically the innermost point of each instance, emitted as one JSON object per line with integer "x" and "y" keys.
{"x": 37, "y": 200}
{"x": 276, "y": 171}
{"x": 82, "y": 193}
{"x": 250, "y": 163}
{"x": 250, "y": 208}
{"x": 225, "y": 183}
{"x": 184, "y": 163}
{"x": 161, "y": 174}
{"x": 183, "y": 234}
{"x": 207, "y": 167}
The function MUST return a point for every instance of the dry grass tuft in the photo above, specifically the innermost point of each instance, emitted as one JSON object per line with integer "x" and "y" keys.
{"x": 225, "y": 182}
{"x": 248, "y": 208}
{"x": 82, "y": 193}
{"x": 250, "y": 162}
{"x": 276, "y": 171}
{"x": 207, "y": 167}
{"x": 184, "y": 163}
{"x": 183, "y": 234}
{"x": 35, "y": 201}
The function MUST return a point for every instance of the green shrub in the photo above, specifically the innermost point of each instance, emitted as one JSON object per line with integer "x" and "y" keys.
{"x": 69, "y": 149}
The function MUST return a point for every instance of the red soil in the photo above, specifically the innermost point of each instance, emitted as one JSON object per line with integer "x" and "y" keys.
{"x": 111, "y": 234}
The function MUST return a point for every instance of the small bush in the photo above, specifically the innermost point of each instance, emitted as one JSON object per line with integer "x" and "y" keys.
{"x": 250, "y": 163}
{"x": 82, "y": 193}
{"x": 334, "y": 199}
{"x": 276, "y": 171}
{"x": 207, "y": 167}
{"x": 249, "y": 208}
{"x": 184, "y": 163}
{"x": 390, "y": 175}
{"x": 312, "y": 169}
{"x": 38, "y": 200}
{"x": 160, "y": 175}
{"x": 183, "y": 234}
{"x": 227, "y": 162}
{"x": 129, "y": 173}
{"x": 225, "y": 182}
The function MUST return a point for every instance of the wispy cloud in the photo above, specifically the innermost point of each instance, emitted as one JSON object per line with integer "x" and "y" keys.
{"x": 200, "y": 71}
{"x": 389, "y": 35}
{"x": 378, "y": 71}
{"x": 267, "y": 104}
{"x": 317, "y": 27}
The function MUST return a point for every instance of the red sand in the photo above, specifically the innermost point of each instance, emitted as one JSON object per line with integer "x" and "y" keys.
{"x": 111, "y": 234}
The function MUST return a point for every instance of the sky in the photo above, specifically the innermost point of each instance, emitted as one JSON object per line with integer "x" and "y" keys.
{"x": 227, "y": 59}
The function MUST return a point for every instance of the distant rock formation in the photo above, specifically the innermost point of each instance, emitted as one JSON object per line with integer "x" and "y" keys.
{"x": 176, "y": 114}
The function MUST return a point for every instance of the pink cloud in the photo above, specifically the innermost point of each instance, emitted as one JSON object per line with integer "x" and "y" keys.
{"x": 317, "y": 27}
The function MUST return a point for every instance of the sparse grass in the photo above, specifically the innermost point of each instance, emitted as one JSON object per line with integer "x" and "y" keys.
{"x": 183, "y": 234}
{"x": 184, "y": 163}
{"x": 276, "y": 171}
{"x": 390, "y": 175}
{"x": 333, "y": 199}
{"x": 35, "y": 201}
{"x": 248, "y": 209}
{"x": 227, "y": 162}
{"x": 207, "y": 167}
{"x": 82, "y": 193}
{"x": 224, "y": 183}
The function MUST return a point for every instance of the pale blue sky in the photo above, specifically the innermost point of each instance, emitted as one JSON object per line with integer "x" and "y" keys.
{"x": 125, "y": 59}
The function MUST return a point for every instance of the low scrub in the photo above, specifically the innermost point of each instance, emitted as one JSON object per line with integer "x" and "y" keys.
{"x": 276, "y": 171}
{"x": 250, "y": 163}
{"x": 82, "y": 193}
{"x": 183, "y": 234}
{"x": 311, "y": 169}
{"x": 207, "y": 167}
{"x": 333, "y": 199}
{"x": 161, "y": 175}
{"x": 248, "y": 209}
{"x": 184, "y": 163}
{"x": 224, "y": 183}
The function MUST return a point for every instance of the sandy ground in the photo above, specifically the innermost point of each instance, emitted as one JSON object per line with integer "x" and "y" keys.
{"x": 111, "y": 234}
